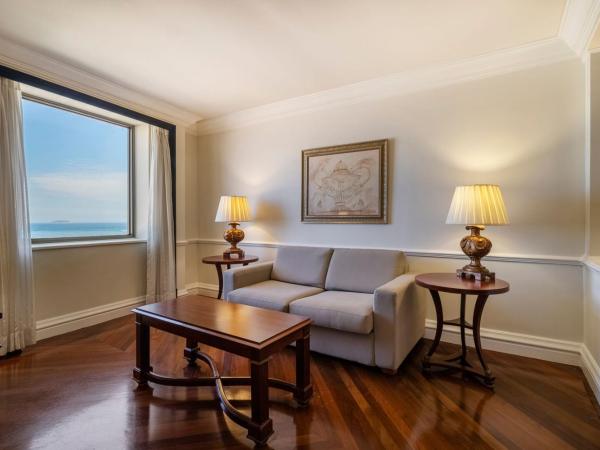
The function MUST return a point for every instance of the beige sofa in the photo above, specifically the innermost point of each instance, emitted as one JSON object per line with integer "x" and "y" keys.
{"x": 362, "y": 302}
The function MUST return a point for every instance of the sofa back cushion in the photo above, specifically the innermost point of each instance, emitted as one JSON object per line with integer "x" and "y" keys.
{"x": 302, "y": 265}
{"x": 363, "y": 270}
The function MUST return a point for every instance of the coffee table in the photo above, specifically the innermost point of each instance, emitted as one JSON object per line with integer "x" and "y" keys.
{"x": 253, "y": 333}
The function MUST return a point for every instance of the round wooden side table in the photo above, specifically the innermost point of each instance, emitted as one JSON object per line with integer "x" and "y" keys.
{"x": 449, "y": 282}
{"x": 218, "y": 261}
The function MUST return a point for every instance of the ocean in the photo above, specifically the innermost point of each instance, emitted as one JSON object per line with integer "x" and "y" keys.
{"x": 75, "y": 229}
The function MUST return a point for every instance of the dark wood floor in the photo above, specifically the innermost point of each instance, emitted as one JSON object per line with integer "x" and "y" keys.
{"x": 75, "y": 392}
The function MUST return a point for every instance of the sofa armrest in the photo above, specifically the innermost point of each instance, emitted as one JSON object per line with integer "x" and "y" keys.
{"x": 399, "y": 320}
{"x": 245, "y": 276}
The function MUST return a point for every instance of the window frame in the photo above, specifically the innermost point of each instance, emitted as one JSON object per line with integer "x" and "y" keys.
{"x": 130, "y": 172}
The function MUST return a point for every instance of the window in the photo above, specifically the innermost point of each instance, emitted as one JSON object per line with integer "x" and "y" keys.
{"x": 79, "y": 173}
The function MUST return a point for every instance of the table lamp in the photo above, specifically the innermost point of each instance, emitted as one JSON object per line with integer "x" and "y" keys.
{"x": 233, "y": 209}
{"x": 476, "y": 206}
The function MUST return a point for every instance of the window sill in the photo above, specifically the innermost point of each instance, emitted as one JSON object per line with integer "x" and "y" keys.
{"x": 77, "y": 244}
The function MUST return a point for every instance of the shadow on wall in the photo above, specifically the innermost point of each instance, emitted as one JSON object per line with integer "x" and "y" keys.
{"x": 269, "y": 212}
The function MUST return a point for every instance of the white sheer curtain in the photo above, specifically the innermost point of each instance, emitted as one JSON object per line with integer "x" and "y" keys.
{"x": 17, "y": 327}
{"x": 161, "y": 283}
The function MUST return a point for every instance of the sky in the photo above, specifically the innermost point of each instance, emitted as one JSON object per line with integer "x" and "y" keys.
{"x": 76, "y": 166}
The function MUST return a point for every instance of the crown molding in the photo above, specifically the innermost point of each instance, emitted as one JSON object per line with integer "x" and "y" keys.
{"x": 543, "y": 52}
{"x": 35, "y": 63}
{"x": 579, "y": 23}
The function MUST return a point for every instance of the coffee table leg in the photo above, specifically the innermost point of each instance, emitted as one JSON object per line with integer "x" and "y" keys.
{"x": 261, "y": 427}
{"x": 304, "y": 389}
{"x": 220, "y": 276}
{"x": 191, "y": 351}
{"x": 142, "y": 352}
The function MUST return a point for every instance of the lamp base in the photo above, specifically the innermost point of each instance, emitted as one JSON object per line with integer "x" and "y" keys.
{"x": 233, "y": 235}
{"x": 483, "y": 275}
{"x": 475, "y": 247}
{"x": 228, "y": 254}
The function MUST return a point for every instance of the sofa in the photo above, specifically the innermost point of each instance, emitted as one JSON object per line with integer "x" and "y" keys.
{"x": 362, "y": 302}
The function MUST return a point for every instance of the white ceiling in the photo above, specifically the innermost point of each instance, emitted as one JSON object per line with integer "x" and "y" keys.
{"x": 213, "y": 57}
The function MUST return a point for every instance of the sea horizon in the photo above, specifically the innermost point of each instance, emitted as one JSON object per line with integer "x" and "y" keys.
{"x": 64, "y": 228}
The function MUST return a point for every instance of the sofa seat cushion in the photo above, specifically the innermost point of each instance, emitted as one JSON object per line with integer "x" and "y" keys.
{"x": 302, "y": 265}
{"x": 271, "y": 294}
{"x": 363, "y": 270}
{"x": 345, "y": 311}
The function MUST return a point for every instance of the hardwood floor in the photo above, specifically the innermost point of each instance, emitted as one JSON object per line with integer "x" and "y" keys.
{"x": 75, "y": 392}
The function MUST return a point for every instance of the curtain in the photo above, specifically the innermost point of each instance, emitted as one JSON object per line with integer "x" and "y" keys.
{"x": 17, "y": 326}
{"x": 161, "y": 283}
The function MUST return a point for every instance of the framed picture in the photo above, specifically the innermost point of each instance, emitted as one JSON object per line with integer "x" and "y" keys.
{"x": 345, "y": 183}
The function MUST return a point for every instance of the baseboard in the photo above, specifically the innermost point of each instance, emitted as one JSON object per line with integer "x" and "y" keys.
{"x": 199, "y": 288}
{"x": 54, "y": 326}
{"x": 591, "y": 370}
{"x": 555, "y": 350}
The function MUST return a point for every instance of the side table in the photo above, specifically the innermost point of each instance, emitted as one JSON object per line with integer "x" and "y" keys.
{"x": 218, "y": 261}
{"x": 449, "y": 282}
{"x": 191, "y": 350}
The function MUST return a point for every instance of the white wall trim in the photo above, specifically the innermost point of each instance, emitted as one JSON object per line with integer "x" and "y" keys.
{"x": 35, "y": 63}
{"x": 54, "y": 326}
{"x": 199, "y": 288}
{"x": 547, "y": 349}
{"x": 591, "y": 370}
{"x": 433, "y": 253}
{"x": 527, "y": 56}
{"x": 579, "y": 23}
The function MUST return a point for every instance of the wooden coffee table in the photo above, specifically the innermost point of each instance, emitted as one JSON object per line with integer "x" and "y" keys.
{"x": 253, "y": 333}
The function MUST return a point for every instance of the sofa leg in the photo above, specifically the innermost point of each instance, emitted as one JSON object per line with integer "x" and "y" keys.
{"x": 389, "y": 371}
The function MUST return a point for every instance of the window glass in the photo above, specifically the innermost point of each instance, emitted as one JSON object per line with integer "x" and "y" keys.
{"x": 77, "y": 172}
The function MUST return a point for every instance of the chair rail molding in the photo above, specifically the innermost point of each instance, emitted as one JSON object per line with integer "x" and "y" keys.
{"x": 429, "y": 253}
{"x": 513, "y": 59}
{"x": 35, "y": 63}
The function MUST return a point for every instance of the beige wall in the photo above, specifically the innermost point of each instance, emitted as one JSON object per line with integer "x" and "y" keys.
{"x": 592, "y": 276}
{"x": 524, "y": 131}
{"x": 73, "y": 279}
{"x": 594, "y": 163}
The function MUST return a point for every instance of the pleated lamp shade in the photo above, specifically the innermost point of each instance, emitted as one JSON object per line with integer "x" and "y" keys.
{"x": 233, "y": 208}
{"x": 479, "y": 204}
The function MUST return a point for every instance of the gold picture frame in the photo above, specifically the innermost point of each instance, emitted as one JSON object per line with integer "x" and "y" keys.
{"x": 346, "y": 183}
